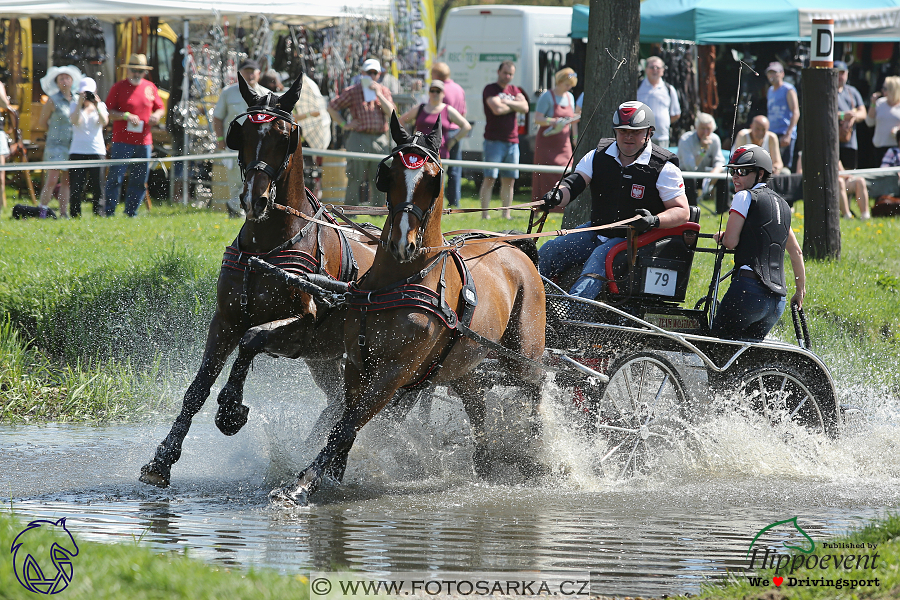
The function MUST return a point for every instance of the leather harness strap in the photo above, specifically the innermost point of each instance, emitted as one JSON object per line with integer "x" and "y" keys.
{"x": 409, "y": 293}
{"x": 293, "y": 261}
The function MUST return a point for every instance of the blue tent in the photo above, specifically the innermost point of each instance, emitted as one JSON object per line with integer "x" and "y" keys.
{"x": 719, "y": 22}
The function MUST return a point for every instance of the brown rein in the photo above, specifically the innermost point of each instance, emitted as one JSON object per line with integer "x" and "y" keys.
{"x": 493, "y": 235}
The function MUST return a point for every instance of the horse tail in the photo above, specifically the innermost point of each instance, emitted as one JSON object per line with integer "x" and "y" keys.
{"x": 528, "y": 246}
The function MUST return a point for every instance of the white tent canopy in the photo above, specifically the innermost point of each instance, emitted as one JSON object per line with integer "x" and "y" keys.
{"x": 298, "y": 11}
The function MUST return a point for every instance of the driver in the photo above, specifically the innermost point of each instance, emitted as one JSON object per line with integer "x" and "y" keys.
{"x": 627, "y": 175}
{"x": 759, "y": 231}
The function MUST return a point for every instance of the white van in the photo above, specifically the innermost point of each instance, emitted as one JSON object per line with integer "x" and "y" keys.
{"x": 476, "y": 39}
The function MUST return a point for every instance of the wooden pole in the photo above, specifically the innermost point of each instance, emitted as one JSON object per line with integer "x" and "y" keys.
{"x": 819, "y": 115}
{"x": 614, "y": 27}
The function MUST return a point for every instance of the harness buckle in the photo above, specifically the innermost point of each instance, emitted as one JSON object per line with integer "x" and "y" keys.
{"x": 361, "y": 340}
{"x": 243, "y": 299}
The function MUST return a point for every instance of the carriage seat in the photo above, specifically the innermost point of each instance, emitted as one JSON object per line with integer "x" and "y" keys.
{"x": 663, "y": 260}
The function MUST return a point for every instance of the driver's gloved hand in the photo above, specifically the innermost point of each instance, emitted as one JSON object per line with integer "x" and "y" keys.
{"x": 553, "y": 198}
{"x": 646, "y": 222}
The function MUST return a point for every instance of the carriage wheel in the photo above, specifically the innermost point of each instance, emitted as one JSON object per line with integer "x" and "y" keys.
{"x": 639, "y": 414}
{"x": 782, "y": 395}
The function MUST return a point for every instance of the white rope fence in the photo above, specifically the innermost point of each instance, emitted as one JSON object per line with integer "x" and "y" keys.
{"x": 82, "y": 164}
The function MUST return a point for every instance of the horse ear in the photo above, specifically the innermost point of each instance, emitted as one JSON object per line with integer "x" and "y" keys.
{"x": 290, "y": 97}
{"x": 249, "y": 96}
{"x": 436, "y": 136}
{"x": 397, "y": 132}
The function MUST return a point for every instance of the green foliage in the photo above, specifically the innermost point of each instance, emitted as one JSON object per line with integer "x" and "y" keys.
{"x": 132, "y": 572}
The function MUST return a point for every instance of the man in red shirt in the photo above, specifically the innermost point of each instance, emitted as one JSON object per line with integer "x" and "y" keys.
{"x": 502, "y": 101}
{"x": 370, "y": 104}
{"x": 134, "y": 107}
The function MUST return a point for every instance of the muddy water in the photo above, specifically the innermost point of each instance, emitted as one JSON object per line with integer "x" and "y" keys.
{"x": 410, "y": 502}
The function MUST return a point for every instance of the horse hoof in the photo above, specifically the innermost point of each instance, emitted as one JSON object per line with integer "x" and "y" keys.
{"x": 156, "y": 474}
{"x": 290, "y": 496}
{"x": 231, "y": 418}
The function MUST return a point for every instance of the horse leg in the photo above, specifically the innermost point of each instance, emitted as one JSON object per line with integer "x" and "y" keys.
{"x": 232, "y": 413}
{"x": 376, "y": 392}
{"x": 328, "y": 376}
{"x": 219, "y": 344}
{"x": 471, "y": 390}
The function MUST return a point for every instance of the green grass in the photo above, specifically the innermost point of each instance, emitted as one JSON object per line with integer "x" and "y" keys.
{"x": 97, "y": 309}
{"x": 127, "y": 570}
{"x": 885, "y": 533}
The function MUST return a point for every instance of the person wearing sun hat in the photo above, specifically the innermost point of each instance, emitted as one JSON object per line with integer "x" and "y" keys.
{"x": 58, "y": 84}
{"x": 134, "y": 107}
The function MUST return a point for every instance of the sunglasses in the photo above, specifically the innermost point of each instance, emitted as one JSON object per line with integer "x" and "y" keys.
{"x": 372, "y": 73}
{"x": 743, "y": 171}
{"x": 436, "y": 91}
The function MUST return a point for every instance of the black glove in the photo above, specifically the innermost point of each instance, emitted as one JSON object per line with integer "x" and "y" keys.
{"x": 646, "y": 222}
{"x": 553, "y": 198}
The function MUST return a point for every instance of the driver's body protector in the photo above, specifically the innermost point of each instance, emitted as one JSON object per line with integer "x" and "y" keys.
{"x": 755, "y": 300}
{"x": 616, "y": 191}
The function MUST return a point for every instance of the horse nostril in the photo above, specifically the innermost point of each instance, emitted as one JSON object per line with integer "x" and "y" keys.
{"x": 410, "y": 248}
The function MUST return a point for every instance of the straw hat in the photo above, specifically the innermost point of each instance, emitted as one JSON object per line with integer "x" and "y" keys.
{"x": 48, "y": 81}
{"x": 137, "y": 61}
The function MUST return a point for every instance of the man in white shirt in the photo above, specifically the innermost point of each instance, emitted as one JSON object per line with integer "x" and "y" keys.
{"x": 661, "y": 98}
{"x": 626, "y": 175}
{"x": 230, "y": 105}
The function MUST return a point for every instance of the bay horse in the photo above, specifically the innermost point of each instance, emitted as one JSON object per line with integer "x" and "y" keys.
{"x": 257, "y": 309}
{"x": 408, "y": 312}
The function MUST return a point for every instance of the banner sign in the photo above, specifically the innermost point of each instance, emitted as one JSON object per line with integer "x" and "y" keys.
{"x": 877, "y": 24}
{"x": 415, "y": 40}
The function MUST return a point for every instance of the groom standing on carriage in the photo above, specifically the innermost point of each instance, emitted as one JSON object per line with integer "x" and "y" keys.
{"x": 627, "y": 175}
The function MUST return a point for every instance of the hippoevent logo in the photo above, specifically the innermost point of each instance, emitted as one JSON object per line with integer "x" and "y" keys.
{"x": 48, "y": 572}
{"x": 800, "y": 566}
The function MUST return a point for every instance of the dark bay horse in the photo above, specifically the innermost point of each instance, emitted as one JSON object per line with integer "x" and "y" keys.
{"x": 408, "y": 312}
{"x": 257, "y": 309}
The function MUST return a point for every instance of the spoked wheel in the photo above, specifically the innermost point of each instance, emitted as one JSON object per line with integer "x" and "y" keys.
{"x": 782, "y": 395}
{"x": 639, "y": 414}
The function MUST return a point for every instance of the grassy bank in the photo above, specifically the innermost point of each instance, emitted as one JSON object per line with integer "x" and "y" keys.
{"x": 880, "y": 535}
{"x": 95, "y": 308}
{"x": 127, "y": 570}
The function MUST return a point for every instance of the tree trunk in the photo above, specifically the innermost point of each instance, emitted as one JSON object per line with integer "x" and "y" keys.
{"x": 614, "y": 28}
{"x": 819, "y": 115}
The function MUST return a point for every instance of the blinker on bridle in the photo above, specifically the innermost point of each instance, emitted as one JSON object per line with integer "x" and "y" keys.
{"x": 413, "y": 156}
{"x": 260, "y": 115}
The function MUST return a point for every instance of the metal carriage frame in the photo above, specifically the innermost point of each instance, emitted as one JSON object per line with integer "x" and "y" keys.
{"x": 641, "y": 386}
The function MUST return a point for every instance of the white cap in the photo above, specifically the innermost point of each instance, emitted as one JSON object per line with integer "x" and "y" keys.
{"x": 87, "y": 85}
{"x": 371, "y": 64}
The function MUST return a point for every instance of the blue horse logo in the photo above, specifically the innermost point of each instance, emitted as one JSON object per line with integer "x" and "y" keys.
{"x": 28, "y": 569}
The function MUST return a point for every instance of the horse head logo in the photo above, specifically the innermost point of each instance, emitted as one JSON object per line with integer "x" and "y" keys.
{"x": 792, "y": 522}
{"x": 30, "y": 567}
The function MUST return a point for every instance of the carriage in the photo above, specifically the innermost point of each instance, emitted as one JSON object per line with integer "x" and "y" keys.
{"x": 643, "y": 367}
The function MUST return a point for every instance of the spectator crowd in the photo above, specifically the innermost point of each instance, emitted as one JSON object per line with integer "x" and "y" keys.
{"x": 74, "y": 118}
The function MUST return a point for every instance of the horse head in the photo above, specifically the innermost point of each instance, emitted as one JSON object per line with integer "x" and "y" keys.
{"x": 266, "y": 142}
{"x": 412, "y": 178}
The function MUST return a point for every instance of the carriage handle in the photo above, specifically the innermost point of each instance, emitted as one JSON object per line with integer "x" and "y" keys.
{"x": 801, "y": 330}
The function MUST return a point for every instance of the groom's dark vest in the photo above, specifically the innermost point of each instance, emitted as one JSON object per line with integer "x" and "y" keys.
{"x": 763, "y": 238}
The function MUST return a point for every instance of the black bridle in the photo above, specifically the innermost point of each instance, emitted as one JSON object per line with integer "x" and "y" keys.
{"x": 413, "y": 155}
{"x": 259, "y": 115}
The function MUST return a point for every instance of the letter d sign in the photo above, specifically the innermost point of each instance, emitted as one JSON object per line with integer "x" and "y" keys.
{"x": 822, "y": 54}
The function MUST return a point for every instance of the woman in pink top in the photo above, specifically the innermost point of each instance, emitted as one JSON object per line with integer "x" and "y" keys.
{"x": 425, "y": 116}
